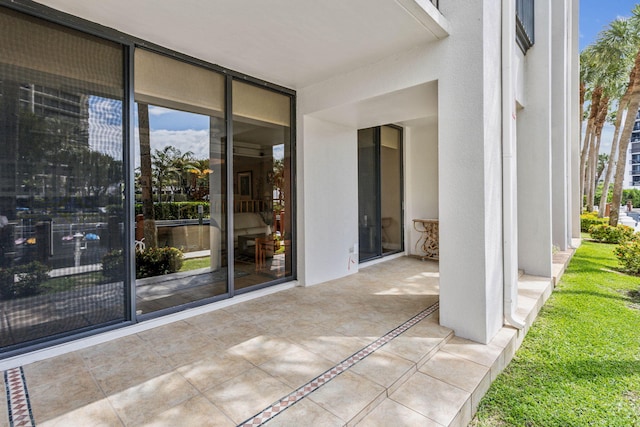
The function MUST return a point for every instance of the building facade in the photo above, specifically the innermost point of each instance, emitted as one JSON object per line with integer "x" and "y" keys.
{"x": 243, "y": 147}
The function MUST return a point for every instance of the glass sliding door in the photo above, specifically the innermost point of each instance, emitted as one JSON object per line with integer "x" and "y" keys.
{"x": 61, "y": 181}
{"x": 180, "y": 169}
{"x": 368, "y": 193}
{"x": 262, "y": 190}
{"x": 391, "y": 222}
{"x": 380, "y": 212}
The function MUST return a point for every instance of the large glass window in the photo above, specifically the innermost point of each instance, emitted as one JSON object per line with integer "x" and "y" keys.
{"x": 65, "y": 240}
{"x": 262, "y": 159}
{"x": 180, "y": 183}
{"x": 61, "y": 181}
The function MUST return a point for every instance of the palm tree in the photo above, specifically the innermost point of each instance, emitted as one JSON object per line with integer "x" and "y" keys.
{"x": 616, "y": 47}
{"x": 164, "y": 166}
{"x": 200, "y": 171}
{"x": 150, "y": 233}
{"x": 632, "y": 109}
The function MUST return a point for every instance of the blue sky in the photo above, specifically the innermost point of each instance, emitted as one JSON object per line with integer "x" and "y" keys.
{"x": 595, "y": 15}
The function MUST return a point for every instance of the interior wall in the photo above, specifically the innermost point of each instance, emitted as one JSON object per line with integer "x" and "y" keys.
{"x": 330, "y": 181}
{"x": 421, "y": 179}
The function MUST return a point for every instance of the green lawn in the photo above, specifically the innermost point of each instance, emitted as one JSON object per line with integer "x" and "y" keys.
{"x": 195, "y": 263}
{"x": 579, "y": 365}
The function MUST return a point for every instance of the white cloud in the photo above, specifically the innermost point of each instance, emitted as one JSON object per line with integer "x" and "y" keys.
{"x": 196, "y": 141}
{"x": 159, "y": 111}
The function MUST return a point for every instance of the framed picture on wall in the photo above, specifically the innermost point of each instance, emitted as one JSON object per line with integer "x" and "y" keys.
{"x": 244, "y": 183}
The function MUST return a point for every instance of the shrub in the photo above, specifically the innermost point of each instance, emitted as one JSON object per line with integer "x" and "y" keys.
{"x": 176, "y": 210}
{"x": 157, "y": 261}
{"x": 113, "y": 265}
{"x": 23, "y": 280}
{"x": 628, "y": 254}
{"x": 589, "y": 219}
{"x": 607, "y": 234}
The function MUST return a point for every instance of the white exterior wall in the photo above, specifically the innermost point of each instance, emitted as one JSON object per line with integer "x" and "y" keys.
{"x": 421, "y": 179}
{"x": 469, "y": 94}
{"x": 470, "y": 173}
{"x": 328, "y": 211}
{"x": 560, "y": 114}
{"x": 534, "y": 152}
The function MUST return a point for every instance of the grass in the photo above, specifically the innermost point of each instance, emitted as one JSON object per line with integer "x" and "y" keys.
{"x": 195, "y": 263}
{"x": 579, "y": 365}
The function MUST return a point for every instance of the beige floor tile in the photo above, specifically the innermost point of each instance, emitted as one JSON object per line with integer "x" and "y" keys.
{"x": 54, "y": 369}
{"x": 362, "y": 328}
{"x": 348, "y": 395}
{"x": 247, "y": 394}
{"x": 50, "y": 400}
{"x": 166, "y": 333}
{"x": 484, "y": 354}
{"x": 102, "y": 354}
{"x": 391, "y": 413}
{"x": 385, "y": 369}
{"x": 214, "y": 370}
{"x": 297, "y": 366}
{"x": 237, "y": 333}
{"x": 432, "y": 398}
{"x": 333, "y": 347}
{"x": 262, "y": 348}
{"x": 455, "y": 371}
{"x": 98, "y": 414}
{"x": 305, "y": 413}
{"x": 185, "y": 348}
{"x": 151, "y": 397}
{"x": 215, "y": 319}
{"x": 197, "y": 411}
{"x": 129, "y": 370}
{"x": 412, "y": 348}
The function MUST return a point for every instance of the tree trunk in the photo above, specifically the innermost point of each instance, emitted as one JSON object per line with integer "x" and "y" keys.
{"x": 588, "y": 137}
{"x": 613, "y": 156}
{"x": 150, "y": 233}
{"x": 601, "y": 118}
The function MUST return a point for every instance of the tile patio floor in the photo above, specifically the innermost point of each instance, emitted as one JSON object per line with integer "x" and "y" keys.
{"x": 224, "y": 367}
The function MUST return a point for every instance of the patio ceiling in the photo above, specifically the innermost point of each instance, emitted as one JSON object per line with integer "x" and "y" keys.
{"x": 413, "y": 106}
{"x": 294, "y": 43}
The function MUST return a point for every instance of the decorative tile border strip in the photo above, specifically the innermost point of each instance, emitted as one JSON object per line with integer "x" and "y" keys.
{"x": 302, "y": 392}
{"x": 18, "y": 404}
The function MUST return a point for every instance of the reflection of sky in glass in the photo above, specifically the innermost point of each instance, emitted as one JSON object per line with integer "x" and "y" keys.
{"x": 105, "y": 126}
{"x": 180, "y": 129}
{"x": 183, "y": 130}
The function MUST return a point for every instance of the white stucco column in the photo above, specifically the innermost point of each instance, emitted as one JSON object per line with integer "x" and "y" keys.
{"x": 574, "y": 102}
{"x": 470, "y": 172}
{"x": 560, "y": 114}
{"x": 534, "y": 152}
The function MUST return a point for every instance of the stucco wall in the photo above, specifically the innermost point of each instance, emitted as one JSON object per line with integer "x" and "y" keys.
{"x": 421, "y": 178}
{"x": 330, "y": 207}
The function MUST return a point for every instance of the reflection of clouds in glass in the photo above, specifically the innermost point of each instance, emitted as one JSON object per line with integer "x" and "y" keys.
{"x": 196, "y": 141}
{"x": 105, "y": 126}
{"x": 159, "y": 111}
{"x": 278, "y": 152}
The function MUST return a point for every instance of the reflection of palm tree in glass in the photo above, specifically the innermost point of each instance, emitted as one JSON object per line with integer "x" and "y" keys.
{"x": 199, "y": 170}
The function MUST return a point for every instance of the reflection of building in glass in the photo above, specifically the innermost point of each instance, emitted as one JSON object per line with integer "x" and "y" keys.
{"x": 68, "y": 114}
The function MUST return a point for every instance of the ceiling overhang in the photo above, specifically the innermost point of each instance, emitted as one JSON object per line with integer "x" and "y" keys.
{"x": 416, "y": 105}
{"x": 293, "y": 43}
